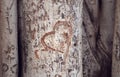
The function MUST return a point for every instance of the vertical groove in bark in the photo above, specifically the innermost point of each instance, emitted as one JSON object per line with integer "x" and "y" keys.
{"x": 106, "y": 23}
{"x": 98, "y": 17}
{"x": 19, "y": 23}
{"x": 51, "y": 38}
{"x": 8, "y": 38}
{"x": 116, "y": 43}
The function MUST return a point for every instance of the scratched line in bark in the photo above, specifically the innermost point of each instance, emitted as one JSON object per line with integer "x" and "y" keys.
{"x": 9, "y": 29}
{"x": 65, "y": 34}
{"x": 13, "y": 68}
{"x": 5, "y": 67}
{"x": 8, "y": 52}
{"x": 117, "y": 54}
{"x": 8, "y": 16}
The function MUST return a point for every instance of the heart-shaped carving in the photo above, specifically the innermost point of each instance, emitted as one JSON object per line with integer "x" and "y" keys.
{"x": 59, "y": 39}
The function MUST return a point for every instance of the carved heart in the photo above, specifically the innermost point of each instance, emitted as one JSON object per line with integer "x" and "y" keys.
{"x": 59, "y": 39}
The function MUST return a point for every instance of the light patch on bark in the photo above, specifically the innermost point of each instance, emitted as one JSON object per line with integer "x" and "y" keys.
{"x": 51, "y": 38}
{"x": 8, "y": 38}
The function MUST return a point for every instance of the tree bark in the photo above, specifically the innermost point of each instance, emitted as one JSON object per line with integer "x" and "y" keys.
{"x": 116, "y": 43}
{"x": 98, "y": 17}
{"x": 51, "y": 38}
{"x": 8, "y": 39}
{"x": 90, "y": 25}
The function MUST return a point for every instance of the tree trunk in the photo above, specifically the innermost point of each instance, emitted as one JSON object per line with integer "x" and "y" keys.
{"x": 8, "y": 39}
{"x": 116, "y": 43}
{"x": 90, "y": 25}
{"x": 105, "y": 42}
{"x": 98, "y": 17}
{"x": 51, "y": 38}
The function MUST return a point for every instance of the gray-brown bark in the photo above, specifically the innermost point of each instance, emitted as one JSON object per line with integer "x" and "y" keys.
{"x": 51, "y": 38}
{"x": 8, "y": 38}
{"x": 116, "y": 43}
{"x": 98, "y": 24}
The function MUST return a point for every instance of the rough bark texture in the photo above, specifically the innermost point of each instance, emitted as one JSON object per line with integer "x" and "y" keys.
{"x": 51, "y": 38}
{"x": 8, "y": 38}
{"x": 98, "y": 17}
{"x": 116, "y": 43}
